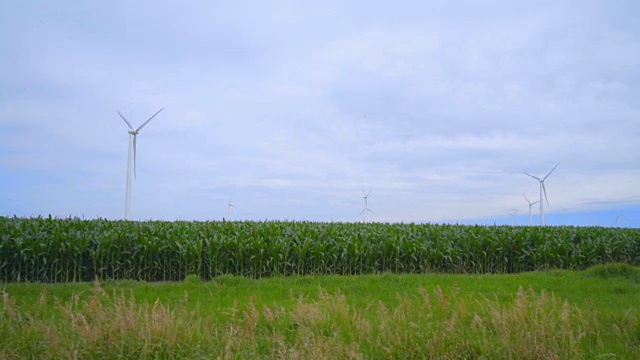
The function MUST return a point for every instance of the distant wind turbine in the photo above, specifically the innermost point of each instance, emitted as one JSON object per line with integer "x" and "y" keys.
{"x": 513, "y": 213}
{"x": 543, "y": 189}
{"x": 618, "y": 219}
{"x": 229, "y": 206}
{"x": 530, "y": 205}
{"x": 366, "y": 206}
{"x": 131, "y": 160}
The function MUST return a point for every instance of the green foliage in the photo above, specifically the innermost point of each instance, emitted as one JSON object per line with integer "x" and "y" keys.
{"x": 228, "y": 280}
{"x": 613, "y": 270}
{"x": 64, "y": 250}
{"x": 192, "y": 279}
{"x": 331, "y": 317}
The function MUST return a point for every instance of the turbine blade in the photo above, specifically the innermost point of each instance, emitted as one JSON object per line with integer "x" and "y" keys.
{"x": 368, "y": 193}
{"x": 545, "y": 178}
{"x": 535, "y": 202}
{"x": 146, "y": 122}
{"x": 525, "y": 197}
{"x": 535, "y": 177}
{"x": 125, "y": 120}
{"x": 545, "y": 192}
{"x": 371, "y": 211}
{"x": 134, "y": 155}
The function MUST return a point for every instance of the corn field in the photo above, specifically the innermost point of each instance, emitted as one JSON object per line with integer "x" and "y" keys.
{"x": 66, "y": 250}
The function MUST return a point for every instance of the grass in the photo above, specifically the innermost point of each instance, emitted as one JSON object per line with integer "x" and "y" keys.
{"x": 537, "y": 315}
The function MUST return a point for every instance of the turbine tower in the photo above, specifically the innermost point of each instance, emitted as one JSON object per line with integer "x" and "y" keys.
{"x": 366, "y": 206}
{"x": 131, "y": 160}
{"x": 543, "y": 189}
{"x": 530, "y": 205}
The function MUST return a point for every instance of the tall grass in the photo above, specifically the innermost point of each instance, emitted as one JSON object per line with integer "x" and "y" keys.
{"x": 61, "y": 250}
{"x": 427, "y": 323}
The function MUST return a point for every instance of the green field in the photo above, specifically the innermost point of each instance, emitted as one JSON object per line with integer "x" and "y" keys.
{"x": 76, "y": 288}
{"x": 556, "y": 314}
{"x": 64, "y": 250}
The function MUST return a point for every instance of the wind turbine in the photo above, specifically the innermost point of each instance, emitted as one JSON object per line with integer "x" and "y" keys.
{"x": 530, "y": 205}
{"x": 366, "y": 206}
{"x": 513, "y": 213}
{"x": 131, "y": 160}
{"x": 229, "y": 206}
{"x": 543, "y": 189}
{"x": 618, "y": 219}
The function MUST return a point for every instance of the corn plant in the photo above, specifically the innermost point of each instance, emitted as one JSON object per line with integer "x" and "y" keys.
{"x": 64, "y": 250}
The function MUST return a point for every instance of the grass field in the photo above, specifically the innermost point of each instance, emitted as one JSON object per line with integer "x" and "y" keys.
{"x": 554, "y": 314}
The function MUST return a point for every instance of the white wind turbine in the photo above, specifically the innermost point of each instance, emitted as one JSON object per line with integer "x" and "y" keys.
{"x": 366, "y": 206}
{"x": 513, "y": 213}
{"x": 530, "y": 205}
{"x": 229, "y": 206}
{"x": 543, "y": 189}
{"x": 131, "y": 160}
{"x": 618, "y": 219}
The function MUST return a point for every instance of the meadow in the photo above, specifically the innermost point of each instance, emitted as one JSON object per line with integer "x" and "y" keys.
{"x": 555, "y": 314}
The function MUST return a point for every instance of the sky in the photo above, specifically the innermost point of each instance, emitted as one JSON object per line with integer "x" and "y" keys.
{"x": 294, "y": 110}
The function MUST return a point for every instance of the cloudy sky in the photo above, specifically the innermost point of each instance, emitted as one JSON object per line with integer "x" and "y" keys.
{"x": 292, "y": 110}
